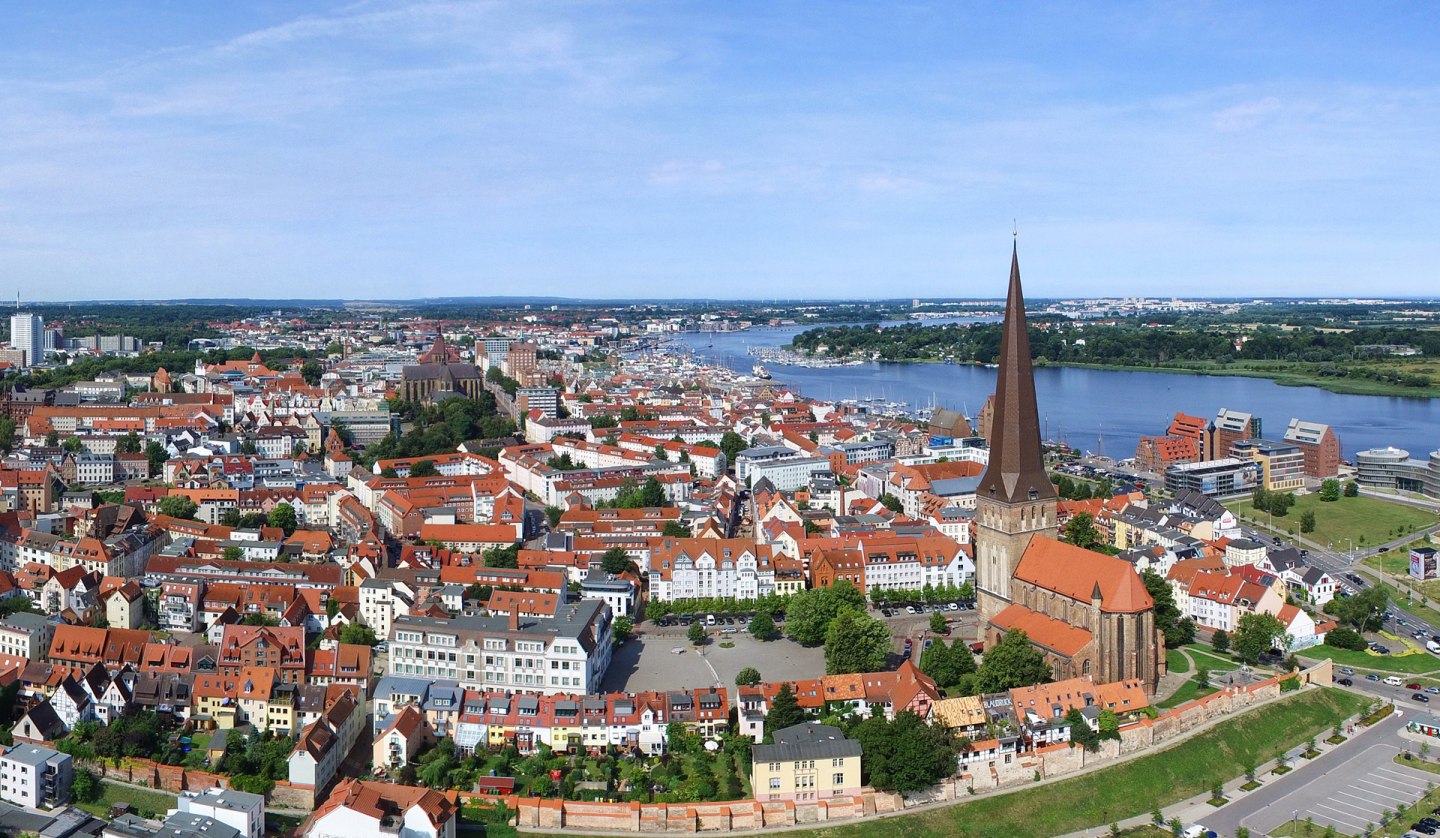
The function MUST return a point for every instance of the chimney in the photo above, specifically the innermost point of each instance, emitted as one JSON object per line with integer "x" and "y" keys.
{"x": 514, "y": 618}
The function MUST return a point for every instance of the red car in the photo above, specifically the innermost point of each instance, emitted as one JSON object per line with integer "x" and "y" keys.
{"x": 1412, "y": 686}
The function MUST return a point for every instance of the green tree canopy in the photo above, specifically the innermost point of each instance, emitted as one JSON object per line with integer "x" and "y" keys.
{"x": 283, "y": 516}
{"x": 1081, "y": 531}
{"x": 423, "y": 468}
{"x": 747, "y": 677}
{"x": 1012, "y": 663}
{"x": 906, "y": 754}
{"x": 784, "y": 712}
{"x": 177, "y": 506}
{"x": 762, "y": 626}
{"x": 855, "y": 642}
{"x": 1256, "y": 634}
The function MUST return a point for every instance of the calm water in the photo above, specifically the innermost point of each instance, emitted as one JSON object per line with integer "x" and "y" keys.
{"x": 1100, "y": 410}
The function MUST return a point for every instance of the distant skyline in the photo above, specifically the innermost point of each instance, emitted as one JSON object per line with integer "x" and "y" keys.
{"x": 399, "y": 150}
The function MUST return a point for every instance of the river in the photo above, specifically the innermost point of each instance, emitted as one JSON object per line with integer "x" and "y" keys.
{"x": 1103, "y": 411}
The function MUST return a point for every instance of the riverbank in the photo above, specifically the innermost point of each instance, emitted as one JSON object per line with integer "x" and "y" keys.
{"x": 1297, "y": 377}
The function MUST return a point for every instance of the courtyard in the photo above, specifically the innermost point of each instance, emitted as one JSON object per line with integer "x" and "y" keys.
{"x": 648, "y": 661}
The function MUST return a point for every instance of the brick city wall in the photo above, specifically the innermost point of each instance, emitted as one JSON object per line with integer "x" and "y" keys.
{"x": 1046, "y": 762}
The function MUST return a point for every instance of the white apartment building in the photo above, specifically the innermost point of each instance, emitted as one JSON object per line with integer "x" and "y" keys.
{"x": 690, "y": 568}
{"x": 26, "y": 635}
{"x": 565, "y": 653}
{"x": 241, "y": 810}
{"x": 35, "y": 776}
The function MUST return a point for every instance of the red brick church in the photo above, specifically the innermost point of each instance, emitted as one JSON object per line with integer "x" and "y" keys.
{"x": 1087, "y": 612}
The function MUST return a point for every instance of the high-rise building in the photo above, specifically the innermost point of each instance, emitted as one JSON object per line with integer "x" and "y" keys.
{"x": 27, "y": 333}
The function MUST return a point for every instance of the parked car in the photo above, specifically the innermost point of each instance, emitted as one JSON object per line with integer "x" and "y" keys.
{"x": 1347, "y": 670}
{"x": 1421, "y": 697}
{"x": 1412, "y": 686}
{"x": 1372, "y": 677}
{"x": 1345, "y": 682}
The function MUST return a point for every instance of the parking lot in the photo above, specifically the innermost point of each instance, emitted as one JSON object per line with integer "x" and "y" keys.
{"x": 1352, "y": 792}
{"x": 648, "y": 660}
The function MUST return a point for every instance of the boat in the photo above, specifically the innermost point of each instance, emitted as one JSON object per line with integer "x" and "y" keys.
{"x": 760, "y": 372}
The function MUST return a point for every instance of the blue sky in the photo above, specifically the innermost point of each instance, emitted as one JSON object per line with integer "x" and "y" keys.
{"x": 769, "y": 149}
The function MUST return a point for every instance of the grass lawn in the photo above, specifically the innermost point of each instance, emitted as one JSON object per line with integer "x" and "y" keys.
{"x": 1374, "y": 520}
{"x": 1403, "y": 665}
{"x": 1177, "y": 662}
{"x": 1205, "y": 656}
{"x": 1189, "y": 691}
{"x": 1423, "y": 764}
{"x": 156, "y": 802}
{"x": 1393, "y": 562}
{"x": 1126, "y": 790}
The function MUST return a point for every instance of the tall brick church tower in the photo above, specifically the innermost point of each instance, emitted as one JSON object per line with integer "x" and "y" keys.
{"x": 1015, "y": 501}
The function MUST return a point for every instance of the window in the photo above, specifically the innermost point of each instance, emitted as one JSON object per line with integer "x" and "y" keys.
{"x": 838, "y": 780}
{"x": 774, "y": 783}
{"x": 774, "y": 766}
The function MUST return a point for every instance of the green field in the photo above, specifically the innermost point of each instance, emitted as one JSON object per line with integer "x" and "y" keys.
{"x": 1189, "y": 691}
{"x": 144, "y": 802}
{"x": 1176, "y": 662}
{"x": 1365, "y": 520}
{"x": 1393, "y": 562}
{"x": 1126, "y": 790}
{"x": 1207, "y": 657}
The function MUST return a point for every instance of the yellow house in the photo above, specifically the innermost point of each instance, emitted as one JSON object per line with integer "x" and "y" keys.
{"x": 808, "y": 762}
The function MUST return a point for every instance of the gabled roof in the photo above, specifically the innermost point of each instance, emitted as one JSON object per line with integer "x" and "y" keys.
{"x": 1077, "y": 573}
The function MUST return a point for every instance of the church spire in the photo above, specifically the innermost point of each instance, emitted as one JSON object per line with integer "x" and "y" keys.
{"x": 1016, "y": 473}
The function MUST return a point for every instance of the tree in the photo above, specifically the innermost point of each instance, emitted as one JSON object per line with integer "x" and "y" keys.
{"x": 177, "y": 506}
{"x": 128, "y": 444}
{"x": 947, "y": 664}
{"x": 1329, "y": 490}
{"x": 72, "y": 444}
{"x": 1364, "y": 610}
{"x": 891, "y": 503}
{"x": 553, "y": 515}
{"x": 762, "y": 626}
{"x": 784, "y": 712}
{"x": 905, "y": 754}
{"x": 232, "y": 554}
{"x": 696, "y": 634}
{"x": 1109, "y": 724}
{"x": 1220, "y": 641}
{"x": 1352, "y": 489}
{"x": 1202, "y": 676}
{"x": 616, "y": 561}
{"x": 357, "y": 634}
{"x": 938, "y": 623}
{"x": 85, "y": 788}
{"x": 1256, "y": 634}
{"x": 7, "y": 432}
{"x": 311, "y": 372}
{"x": 653, "y": 494}
{"x": 1012, "y": 663}
{"x": 675, "y": 529}
{"x": 809, "y": 613}
{"x": 623, "y": 627}
{"x": 52, "y": 438}
{"x": 283, "y": 516}
{"x": 1081, "y": 531}
{"x": 855, "y": 642}
{"x": 424, "y": 468}
{"x": 1346, "y": 638}
{"x": 731, "y": 444}
{"x": 156, "y": 454}
{"x": 1307, "y": 521}
{"x": 505, "y": 557}
{"x": 1178, "y": 629}
{"x": 747, "y": 677}
{"x": 1080, "y": 731}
